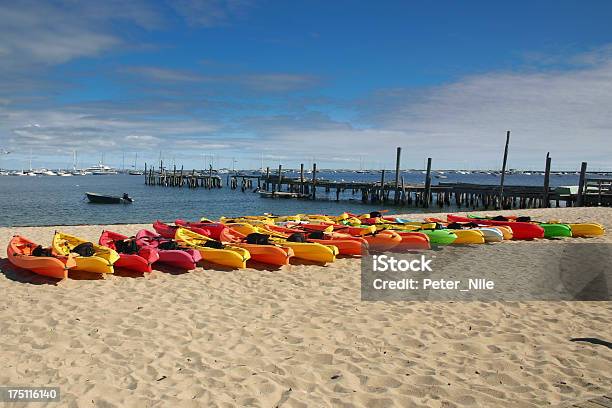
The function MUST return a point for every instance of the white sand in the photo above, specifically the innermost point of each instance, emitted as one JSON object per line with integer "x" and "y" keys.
{"x": 297, "y": 337}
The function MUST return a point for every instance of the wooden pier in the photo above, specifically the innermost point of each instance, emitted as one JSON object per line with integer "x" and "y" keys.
{"x": 275, "y": 184}
{"x": 179, "y": 178}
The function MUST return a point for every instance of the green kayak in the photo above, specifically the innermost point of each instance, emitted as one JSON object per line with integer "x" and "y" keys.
{"x": 556, "y": 230}
{"x": 440, "y": 236}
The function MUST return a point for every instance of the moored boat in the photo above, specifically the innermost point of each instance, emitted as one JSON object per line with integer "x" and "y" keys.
{"x": 107, "y": 199}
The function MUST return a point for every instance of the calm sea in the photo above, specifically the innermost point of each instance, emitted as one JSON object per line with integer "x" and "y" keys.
{"x": 52, "y": 200}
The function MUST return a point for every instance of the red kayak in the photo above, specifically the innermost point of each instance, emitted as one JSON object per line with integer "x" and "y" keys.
{"x": 183, "y": 258}
{"x": 214, "y": 230}
{"x": 520, "y": 230}
{"x": 132, "y": 258}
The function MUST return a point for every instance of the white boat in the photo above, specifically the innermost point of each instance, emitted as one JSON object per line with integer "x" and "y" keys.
{"x": 101, "y": 170}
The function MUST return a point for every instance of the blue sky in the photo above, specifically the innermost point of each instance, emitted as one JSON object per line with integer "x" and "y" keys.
{"x": 335, "y": 82}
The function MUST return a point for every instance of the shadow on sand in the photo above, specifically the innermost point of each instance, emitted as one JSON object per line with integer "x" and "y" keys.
{"x": 24, "y": 276}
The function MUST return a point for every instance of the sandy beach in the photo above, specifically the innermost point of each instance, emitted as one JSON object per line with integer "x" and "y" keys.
{"x": 295, "y": 337}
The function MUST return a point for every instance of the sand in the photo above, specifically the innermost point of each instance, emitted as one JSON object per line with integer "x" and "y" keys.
{"x": 295, "y": 337}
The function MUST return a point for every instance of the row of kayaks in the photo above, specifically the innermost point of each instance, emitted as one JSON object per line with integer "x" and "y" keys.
{"x": 274, "y": 240}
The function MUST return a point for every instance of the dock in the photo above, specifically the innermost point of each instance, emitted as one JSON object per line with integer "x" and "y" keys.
{"x": 591, "y": 191}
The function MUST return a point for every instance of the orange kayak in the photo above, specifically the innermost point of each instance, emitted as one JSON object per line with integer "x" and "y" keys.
{"x": 19, "y": 252}
{"x": 413, "y": 240}
{"x": 383, "y": 240}
{"x": 268, "y": 254}
{"x": 346, "y": 244}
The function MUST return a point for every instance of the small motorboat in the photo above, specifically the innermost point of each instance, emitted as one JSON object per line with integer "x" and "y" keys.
{"x": 106, "y": 199}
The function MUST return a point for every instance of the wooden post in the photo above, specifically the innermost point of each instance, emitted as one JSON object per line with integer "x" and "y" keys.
{"x": 503, "y": 173}
{"x": 280, "y": 178}
{"x": 145, "y": 173}
{"x": 581, "y": 186}
{"x": 381, "y": 196}
{"x": 301, "y": 178}
{"x": 398, "y": 156}
{"x": 314, "y": 181}
{"x": 547, "y": 180}
{"x": 267, "y": 177}
{"x": 210, "y": 169}
{"x": 427, "y": 183}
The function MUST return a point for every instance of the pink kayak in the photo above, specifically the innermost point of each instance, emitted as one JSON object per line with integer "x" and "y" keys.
{"x": 183, "y": 258}
{"x": 520, "y": 230}
{"x": 137, "y": 259}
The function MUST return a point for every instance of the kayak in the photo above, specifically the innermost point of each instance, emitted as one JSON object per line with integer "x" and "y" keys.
{"x": 555, "y": 228}
{"x": 100, "y": 262}
{"x": 585, "y": 230}
{"x": 413, "y": 240}
{"x": 520, "y": 230}
{"x": 214, "y": 230}
{"x": 165, "y": 230}
{"x": 468, "y": 236}
{"x": 346, "y": 244}
{"x": 219, "y": 254}
{"x": 20, "y": 253}
{"x": 271, "y": 253}
{"x": 551, "y": 230}
{"x": 183, "y": 258}
{"x": 377, "y": 241}
{"x": 440, "y": 236}
{"x": 309, "y": 251}
{"x": 139, "y": 261}
{"x": 386, "y": 240}
{"x": 489, "y": 233}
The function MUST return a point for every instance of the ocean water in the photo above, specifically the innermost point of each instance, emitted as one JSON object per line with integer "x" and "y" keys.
{"x": 51, "y": 200}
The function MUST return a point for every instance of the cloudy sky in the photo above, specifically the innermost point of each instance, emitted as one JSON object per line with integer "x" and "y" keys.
{"x": 340, "y": 83}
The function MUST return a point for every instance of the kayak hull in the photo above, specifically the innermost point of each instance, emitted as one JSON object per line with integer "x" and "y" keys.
{"x": 229, "y": 256}
{"x": 184, "y": 258}
{"x": 19, "y": 252}
{"x": 413, "y": 241}
{"x": 468, "y": 236}
{"x": 139, "y": 262}
{"x": 268, "y": 254}
{"x": 440, "y": 237}
{"x": 587, "y": 230}
{"x": 556, "y": 230}
{"x": 101, "y": 262}
{"x": 520, "y": 230}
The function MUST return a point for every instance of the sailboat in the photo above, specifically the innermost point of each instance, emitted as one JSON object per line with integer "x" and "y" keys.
{"x": 135, "y": 172}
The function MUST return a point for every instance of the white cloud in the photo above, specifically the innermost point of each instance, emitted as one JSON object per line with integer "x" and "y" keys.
{"x": 209, "y": 13}
{"x": 259, "y": 82}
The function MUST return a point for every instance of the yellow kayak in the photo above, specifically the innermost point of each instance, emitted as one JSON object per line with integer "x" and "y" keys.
{"x": 587, "y": 230}
{"x": 100, "y": 262}
{"x": 309, "y": 251}
{"x": 229, "y": 255}
{"x": 468, "y": 236}
{"x": 255, "y": 220}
